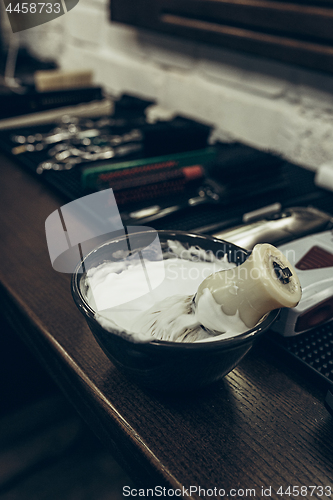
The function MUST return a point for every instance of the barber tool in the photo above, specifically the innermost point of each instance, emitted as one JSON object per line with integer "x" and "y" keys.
{"x": 74, "y": 156}
{"x": 76, "y": 141}
{"x": 14, "y": 104}
{"x": 104, "y": 176}
{"x": 273, "y": 225}
{"x": 151, "y": 185}
{"x": 312, "y": 257}
{"x": 208, "y": 192}
{"x": 211, "y": 191}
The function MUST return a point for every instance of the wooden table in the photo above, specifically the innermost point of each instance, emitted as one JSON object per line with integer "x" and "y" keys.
{"x": 263, "y": 426}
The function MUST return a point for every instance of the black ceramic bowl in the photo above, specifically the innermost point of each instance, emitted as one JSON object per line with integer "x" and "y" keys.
{"x": 163, "y": 365}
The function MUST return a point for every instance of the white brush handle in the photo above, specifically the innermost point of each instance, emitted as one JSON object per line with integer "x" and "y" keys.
{"x": 265, "y": 281}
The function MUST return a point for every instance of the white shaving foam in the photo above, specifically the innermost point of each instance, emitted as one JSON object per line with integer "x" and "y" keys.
{"x": 170, "y": 302}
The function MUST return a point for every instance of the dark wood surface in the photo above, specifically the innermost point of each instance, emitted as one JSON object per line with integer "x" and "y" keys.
{"x": 263, "y": 425}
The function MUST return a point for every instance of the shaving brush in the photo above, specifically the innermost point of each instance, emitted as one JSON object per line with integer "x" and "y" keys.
{"x": 265, "y": 281}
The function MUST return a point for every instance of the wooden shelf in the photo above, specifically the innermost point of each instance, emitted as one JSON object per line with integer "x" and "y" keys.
{"x": 296, "y": 32}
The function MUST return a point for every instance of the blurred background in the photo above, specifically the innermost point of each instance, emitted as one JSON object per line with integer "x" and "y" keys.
{"x": 274, "y": 106}
{"x": 251, "y": 97}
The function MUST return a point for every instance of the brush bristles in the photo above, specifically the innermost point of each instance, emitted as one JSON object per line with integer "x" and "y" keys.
{"x": 172, "y": 320}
